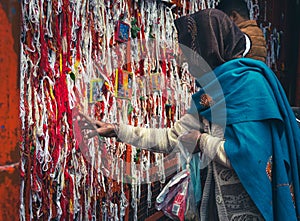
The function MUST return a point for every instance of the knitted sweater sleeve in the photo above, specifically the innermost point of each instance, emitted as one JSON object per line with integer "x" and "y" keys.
{"x": 162, "y": 140}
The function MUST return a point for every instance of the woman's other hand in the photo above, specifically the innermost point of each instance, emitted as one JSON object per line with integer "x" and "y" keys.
{"x": 190, "y": 141}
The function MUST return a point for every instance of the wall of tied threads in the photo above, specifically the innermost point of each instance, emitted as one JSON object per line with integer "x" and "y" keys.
{"x": 115, "y": 61}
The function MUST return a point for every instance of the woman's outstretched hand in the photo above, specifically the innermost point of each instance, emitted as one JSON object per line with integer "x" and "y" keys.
{"x": 95, "y": 127}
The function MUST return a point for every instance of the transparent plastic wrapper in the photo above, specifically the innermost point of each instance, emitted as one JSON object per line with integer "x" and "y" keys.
{"x": 171, "y": 200}
{"x": 177, "y": 199}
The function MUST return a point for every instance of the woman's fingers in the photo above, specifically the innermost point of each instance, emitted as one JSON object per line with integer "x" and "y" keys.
{"x": 100, "y": 124}
{"x": 96, "y": 127}
{"x": 106, "y": 131}
{"x": 83, "y": 117}
{"x": 87, "y": 119}
{"x": 91, "y": 134}
{"x": 102, "y": 131}
{"x": 86, "y": 126}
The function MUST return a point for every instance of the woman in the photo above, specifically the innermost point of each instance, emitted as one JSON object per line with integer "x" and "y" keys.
{"x": 247, "y": 127}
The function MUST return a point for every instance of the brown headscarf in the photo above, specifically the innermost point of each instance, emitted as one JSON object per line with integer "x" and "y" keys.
{"x": 211, "y": 34}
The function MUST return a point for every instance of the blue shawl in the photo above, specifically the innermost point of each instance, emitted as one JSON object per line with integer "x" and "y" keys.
{"x": 262, "y": 136}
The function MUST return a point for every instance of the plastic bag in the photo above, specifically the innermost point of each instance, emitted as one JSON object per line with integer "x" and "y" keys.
{"x": 177, "y": 200}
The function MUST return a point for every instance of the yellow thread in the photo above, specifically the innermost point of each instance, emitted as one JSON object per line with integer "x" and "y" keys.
{"x": 51, "y": 93}
{"x": 77, "y": 62}
{"x": 60, "y": 63}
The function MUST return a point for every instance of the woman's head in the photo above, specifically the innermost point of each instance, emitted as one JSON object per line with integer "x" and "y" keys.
{"x": 211, "y": 34}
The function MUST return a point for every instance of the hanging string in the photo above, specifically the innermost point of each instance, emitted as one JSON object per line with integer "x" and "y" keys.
{"x": 65, "y": 46}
